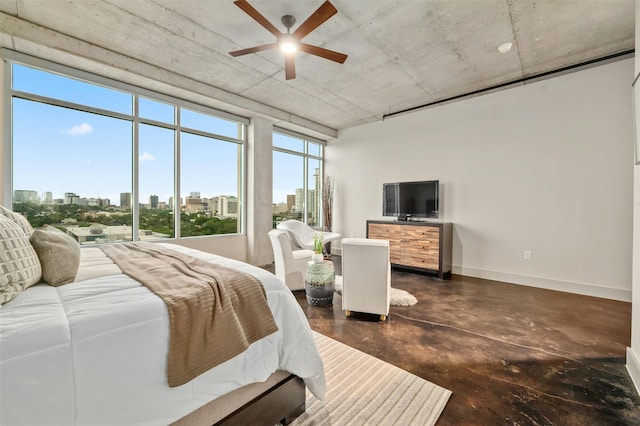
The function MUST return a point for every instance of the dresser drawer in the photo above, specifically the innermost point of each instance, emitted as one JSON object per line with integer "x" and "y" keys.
{"x": 422, "y": 260}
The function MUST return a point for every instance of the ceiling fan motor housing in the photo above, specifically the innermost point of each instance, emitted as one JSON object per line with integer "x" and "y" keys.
{"x": 288, "y": 21}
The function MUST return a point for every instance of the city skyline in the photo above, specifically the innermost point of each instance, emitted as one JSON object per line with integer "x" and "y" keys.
{"x": 42, "y": 198}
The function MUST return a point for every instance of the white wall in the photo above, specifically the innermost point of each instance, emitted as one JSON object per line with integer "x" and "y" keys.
{"x": 633, "y": 353}
{"x": 543, "y": 167}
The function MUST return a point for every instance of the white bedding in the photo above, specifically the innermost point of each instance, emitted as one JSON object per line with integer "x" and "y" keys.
{"x": 94, "y": 352}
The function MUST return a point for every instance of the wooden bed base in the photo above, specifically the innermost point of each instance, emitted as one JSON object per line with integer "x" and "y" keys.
{"x": 280, "y": 399}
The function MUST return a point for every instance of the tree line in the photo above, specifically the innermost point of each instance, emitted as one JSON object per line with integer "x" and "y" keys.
{"x": 160, "y": 221}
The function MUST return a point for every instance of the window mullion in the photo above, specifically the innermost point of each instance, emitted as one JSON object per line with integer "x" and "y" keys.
{"x": 70, "y": 105}
{"x": 177, "y": 214}
{"x": 305, "y": 189}
{"x": 135, "y": 203}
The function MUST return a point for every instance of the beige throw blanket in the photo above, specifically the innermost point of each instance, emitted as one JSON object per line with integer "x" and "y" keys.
{"x": 215, "y": 312}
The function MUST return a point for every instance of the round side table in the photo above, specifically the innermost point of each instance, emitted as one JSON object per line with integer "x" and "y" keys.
{"x": 319, "y": 283}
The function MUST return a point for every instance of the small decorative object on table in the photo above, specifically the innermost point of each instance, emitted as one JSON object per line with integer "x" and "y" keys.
{"x": 319, "y": 283}
{"x": 317, "y": 257}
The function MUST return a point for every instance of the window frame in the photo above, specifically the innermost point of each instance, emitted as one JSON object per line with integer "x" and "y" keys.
{"x": 11, "y": 57}
{"x": 306, "y": 156}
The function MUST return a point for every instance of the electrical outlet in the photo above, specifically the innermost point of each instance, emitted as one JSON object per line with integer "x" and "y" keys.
{"x": 527, "y": 255}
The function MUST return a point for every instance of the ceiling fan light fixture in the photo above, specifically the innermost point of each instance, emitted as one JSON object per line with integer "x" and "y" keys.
{"x": 288, "y": 44}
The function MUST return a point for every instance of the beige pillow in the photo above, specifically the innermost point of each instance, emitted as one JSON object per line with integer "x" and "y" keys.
{"x": 59, "y": 255}
{"x": 19, "y": 264}
{"x": 17, "y": 218}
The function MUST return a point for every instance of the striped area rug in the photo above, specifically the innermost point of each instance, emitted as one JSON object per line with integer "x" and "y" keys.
{"x": 363, "y": 390}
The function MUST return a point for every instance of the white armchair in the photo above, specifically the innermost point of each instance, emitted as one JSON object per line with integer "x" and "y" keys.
{"x": 290, "y": 264}
{"x": 366, "y": 276}
{"x": 302, "y": 234}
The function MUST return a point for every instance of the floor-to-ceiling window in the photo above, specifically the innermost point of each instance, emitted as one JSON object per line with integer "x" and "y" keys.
{"x": 297, "y": 178}
{"x": 107, "y": 162}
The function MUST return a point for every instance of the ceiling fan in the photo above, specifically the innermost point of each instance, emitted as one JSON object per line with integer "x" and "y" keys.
{"x": 289, "y": 42}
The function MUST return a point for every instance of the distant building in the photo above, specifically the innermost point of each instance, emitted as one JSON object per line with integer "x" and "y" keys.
{"x": 47, "y": 198}
{"x": 153, "y": 201}
{"x": 91, "y": 202}
{"x": 25, "y": 196}
{"x": 299, "y": 206}
{"x": 194, "y": 205}
{"x": 291, "y": 202}
{"x": 195, "y": 194}
{"x": 280, "y": 208}
{"x": 125, "y": 199}
{"x": 312, "y": 208}
{"x": 71, "y": 198}
{"x": 227, "y": 206}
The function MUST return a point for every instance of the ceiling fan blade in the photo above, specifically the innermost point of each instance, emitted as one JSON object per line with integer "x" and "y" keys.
{"x": 253, "y": 49}
{"x": 289, "y": 67}
{"x": 249, "y": 10}
{"x": 323, "y": 53}
{"x": 317, "y": 18}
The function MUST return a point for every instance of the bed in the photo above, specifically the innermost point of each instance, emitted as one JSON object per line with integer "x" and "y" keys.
{"x": 95, "y": 352}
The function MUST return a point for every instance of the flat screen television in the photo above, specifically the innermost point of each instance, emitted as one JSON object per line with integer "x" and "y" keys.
{"x": 406, "y": 200}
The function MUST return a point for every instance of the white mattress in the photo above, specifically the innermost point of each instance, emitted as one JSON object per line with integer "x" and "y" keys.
{"x": 94, "y": 352}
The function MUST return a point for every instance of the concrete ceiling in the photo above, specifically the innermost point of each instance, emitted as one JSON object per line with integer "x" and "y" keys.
{"x": 401, "y": 53}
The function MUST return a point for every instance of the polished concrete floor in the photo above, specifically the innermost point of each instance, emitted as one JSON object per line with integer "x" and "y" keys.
{"x": 511, "y": 354}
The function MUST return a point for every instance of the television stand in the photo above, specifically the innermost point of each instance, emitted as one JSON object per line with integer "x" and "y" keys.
{"x": 419, "y": 246}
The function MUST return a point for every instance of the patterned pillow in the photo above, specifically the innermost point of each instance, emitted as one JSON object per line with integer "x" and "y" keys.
{"x": 17, "y": 218}
{"x": 59, "y": 255}
{"x": 19, "y": 264}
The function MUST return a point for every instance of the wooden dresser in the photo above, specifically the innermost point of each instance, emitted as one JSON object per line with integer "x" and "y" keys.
{"x": 422, "y": 246}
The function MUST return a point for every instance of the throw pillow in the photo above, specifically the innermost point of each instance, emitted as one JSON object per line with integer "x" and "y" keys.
{"x": 17, "y": 218}
{"x": 59, "y": 255}
{"x": 19, "y": 264}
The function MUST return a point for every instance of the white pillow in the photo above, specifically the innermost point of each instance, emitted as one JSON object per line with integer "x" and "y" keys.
{"x": 17, "y": 218}
{"x": 59, "y": 255}
{"x": 19, "y": 264}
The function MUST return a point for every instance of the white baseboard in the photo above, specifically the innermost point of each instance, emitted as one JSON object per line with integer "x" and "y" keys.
{"x": 566, "y": 286}
{"x": 633, "y": 367}
{"x": 549, "y": 284}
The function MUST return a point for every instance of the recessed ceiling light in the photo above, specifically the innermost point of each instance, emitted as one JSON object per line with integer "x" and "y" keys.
{"x": 505, "y": 47}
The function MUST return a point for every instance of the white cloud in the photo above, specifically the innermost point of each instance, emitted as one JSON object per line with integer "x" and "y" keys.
{"x": 79, "y": 129}
{"x": 146, "y": 157}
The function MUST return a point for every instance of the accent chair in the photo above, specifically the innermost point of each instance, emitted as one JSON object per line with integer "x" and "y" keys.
{"x": 290, "y": 264}
{"x": 302, "y": 234}
{"x": 366, "y": 276}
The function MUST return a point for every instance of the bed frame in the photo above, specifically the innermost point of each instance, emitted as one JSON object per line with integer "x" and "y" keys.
{"x": 280, "y": 399}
